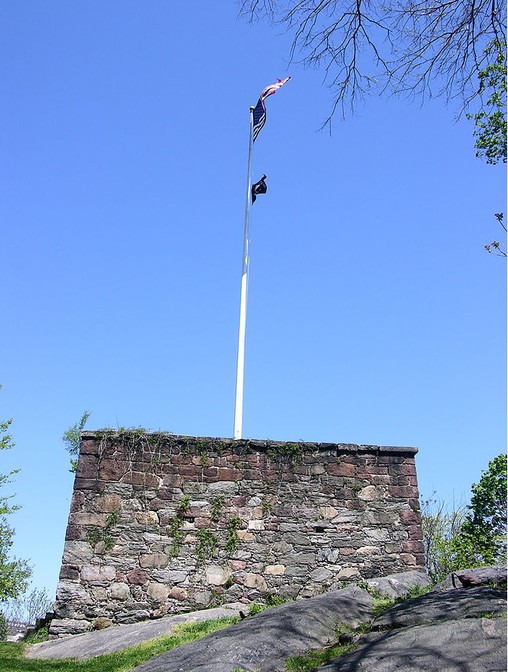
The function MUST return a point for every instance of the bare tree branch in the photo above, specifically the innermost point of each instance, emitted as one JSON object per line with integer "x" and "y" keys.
{"x": 417, "y": 48}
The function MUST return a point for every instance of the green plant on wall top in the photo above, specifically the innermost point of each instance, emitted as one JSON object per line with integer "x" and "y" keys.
{"x": 72, "y": 439}
{"x": 286, "y": 455}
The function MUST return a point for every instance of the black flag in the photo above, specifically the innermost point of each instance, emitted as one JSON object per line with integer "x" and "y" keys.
{"x": 258, "y": 188}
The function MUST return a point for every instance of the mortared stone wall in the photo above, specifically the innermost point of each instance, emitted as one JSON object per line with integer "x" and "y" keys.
{"x": 162, "y": 524}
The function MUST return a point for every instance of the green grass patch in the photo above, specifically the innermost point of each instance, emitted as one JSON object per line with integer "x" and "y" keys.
{"x": 311, "y": 660}
{"x": 12, "y": 654}
{"x": 382, "y": 603}
{"x": 40, "y": 635}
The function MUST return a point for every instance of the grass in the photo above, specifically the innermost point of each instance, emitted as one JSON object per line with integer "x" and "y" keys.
{"x": 382, "y": 603}
{"x": 12, "y": 654}
{"x": 311, "y": 660}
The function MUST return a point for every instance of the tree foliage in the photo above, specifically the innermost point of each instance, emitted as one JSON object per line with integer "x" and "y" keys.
{"x": 420, "y": 48}
{"x": 441, "y": 531}
{"x": 484, "y": 527}
{"x": 467, "y": 536}
{"x": 14, "y": 573}
{"x": 490, "y": 121}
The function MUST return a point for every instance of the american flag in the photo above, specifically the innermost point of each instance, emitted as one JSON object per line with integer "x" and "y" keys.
{"x": 259, "y": 114}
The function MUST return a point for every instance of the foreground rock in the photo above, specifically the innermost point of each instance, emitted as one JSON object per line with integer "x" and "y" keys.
{"x": 117, "y": 638}
{"x": 452, "y": 605}
{"x": 474, "y": 645}
{"x": 448, "y": 629}
{"x": 264, "y": 642}
{"x": 452, "y": 631}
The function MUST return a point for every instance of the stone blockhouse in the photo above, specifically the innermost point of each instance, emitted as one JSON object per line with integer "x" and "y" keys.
{"x": 162, "y": 524}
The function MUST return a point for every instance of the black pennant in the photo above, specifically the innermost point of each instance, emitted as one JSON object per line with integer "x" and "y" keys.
{"x": 258, "y": 188}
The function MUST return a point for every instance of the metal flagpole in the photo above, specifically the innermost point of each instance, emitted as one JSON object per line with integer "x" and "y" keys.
{"x": 243, "y": 295}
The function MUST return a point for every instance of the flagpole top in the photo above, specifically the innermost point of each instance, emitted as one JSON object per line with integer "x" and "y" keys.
{"x": 252, "y": 108}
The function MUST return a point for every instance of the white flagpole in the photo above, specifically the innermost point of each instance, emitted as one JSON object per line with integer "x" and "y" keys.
{"x": 243, "y": 296}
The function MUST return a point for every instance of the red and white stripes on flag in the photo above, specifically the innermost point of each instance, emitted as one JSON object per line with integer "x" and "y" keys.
{"x": 259, "y": 113}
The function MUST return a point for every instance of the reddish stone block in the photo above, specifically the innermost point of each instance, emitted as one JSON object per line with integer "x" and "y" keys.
{"x": 412, "y": 546}
{"x": 409, "y": 517}
{"x": 164, "y": 493}
{"x": 157, "y": 504}
{"x": 173, "y": 480}
{"x": 89, "y": 484}
{"x": 147, "y": 480}
{"x": 137, "y": 577}
{"x": 415, "y": 532}
{"x": 89, "y": 447}
{"x": 72, "y": 533}
{"x": 229, "y": 474}
{"x": 77, "y": 502}
{"x": 69, "y": 572}
{"x": 403, "y": 491}
{"x": 180, "y": 459}
{"x": 111, "y": 470}
{"x": 190, "y": 471}
{"x": 342, "y": 469}
{"x": 87, "y": 466}
{"x": 201, "y": 523}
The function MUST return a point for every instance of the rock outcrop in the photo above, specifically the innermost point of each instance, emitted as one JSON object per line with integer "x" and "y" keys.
{"x": 450, "y": 629}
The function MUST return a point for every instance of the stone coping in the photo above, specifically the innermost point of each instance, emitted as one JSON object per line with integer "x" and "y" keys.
{"x": 262, "y": 445}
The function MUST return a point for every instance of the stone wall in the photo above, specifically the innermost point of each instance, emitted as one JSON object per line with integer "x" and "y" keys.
{"x": 162, "y": 523}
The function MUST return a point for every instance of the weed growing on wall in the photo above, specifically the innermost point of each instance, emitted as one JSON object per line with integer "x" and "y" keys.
{"x": 286, "y": 455}
{"x": 216, "y": 507}
{"x": 208, "y": 542}
{"x": 103, "y": 534}
{"x": 175, "y": 524}
{"x": 232, "y": 539}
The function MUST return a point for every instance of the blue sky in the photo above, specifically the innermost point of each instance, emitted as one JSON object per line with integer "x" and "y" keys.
{"x": 375, "y": 314}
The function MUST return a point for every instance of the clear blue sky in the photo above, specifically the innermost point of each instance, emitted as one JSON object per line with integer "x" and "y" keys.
{"x": 375, "y": 314}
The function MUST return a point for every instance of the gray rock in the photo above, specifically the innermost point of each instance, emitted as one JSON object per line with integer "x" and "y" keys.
{"x": 263, "y": 642}
{"x": 495, "y": 576}
{"x": 476, "y": 645}
{"x": 120, "y": 637}
{"x": 398, "y": 585}
{"x": 444, "y": 630}
{"x": 450, "y": 605}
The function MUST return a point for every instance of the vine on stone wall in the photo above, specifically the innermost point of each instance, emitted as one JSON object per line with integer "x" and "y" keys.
{"x": 208, "y": 542}
{"x": 103, "y": 534}
{"x": 174, "y": 527}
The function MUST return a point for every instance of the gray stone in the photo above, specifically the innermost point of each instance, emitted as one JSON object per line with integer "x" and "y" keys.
{"x": 133, "y": 616}
{"x": 121, "y": 636}
{"x": 215, "y": 575}
{"x": 225, "y": 487}
{"x": 119, "y": 591}
{"x": 263, "y": 642}
{"x": 170, "y": 575}
{"x": 449, "y": 605}
{"x": 398, "y": 585}
{"x": 69, "y": 626}
{"x": 321, "y": 574}
{"x": 476, "y": 645}
{"x": 330, "y": 555}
